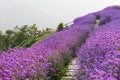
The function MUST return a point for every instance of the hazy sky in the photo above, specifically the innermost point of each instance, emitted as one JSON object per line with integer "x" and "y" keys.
{"x": 46, "y": 13}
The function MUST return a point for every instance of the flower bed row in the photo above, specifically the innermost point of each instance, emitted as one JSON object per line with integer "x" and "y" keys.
{"x": 46, "y": 59}
{"x": 108, "y": 14}
{"x": 99, "y": 57}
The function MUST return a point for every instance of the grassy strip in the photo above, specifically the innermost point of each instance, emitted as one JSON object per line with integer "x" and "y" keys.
{"x": 60, "y": 65}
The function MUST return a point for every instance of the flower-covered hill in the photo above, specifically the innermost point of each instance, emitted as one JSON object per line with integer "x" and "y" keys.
{"x": 98, "y": 57}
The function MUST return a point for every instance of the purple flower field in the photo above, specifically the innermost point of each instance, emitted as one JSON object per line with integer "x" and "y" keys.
{"x": 37, "y": 61}
{"x": 98, "y": 57}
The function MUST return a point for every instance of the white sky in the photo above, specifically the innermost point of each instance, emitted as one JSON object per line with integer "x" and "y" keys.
{"x": 46, "y": 13}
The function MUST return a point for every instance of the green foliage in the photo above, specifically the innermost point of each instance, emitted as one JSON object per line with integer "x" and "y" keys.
{"x": 2, "y": 41}
{"x": 60, "y": 65}
{"x": 23, "y": 36}
{"x": 19, "y": 36}
{"x": 43, "y": 36}
{"x": 60, "y": 26}
{"x": 28, "y": 42}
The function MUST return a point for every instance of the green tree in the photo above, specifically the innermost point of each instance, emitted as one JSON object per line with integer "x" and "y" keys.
{"x": 29, "y": 34}
{"x": 10, "y": 38}
{"x": 33, "y": 31}
{"x": 19, "y": 36}
{"x": 60, "y": 26}
{"x": 2, "y": 41}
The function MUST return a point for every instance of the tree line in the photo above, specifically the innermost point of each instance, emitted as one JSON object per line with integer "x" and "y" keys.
{"x": 15, "y": 37}
{"x": 23, "y": 34}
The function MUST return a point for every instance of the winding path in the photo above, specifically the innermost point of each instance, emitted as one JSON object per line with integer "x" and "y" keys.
{"x": 72, "y": 70}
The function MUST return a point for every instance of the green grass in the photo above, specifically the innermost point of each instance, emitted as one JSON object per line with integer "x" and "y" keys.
{"x": 44, "y": 36}
{"x": 60, "y": 65}
{"x": 31, "y": 41}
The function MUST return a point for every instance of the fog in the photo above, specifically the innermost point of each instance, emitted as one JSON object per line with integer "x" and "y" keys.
{"x": 46, "y": 13}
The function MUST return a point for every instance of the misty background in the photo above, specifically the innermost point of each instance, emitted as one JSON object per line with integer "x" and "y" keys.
{"x": 46, "y": 13}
